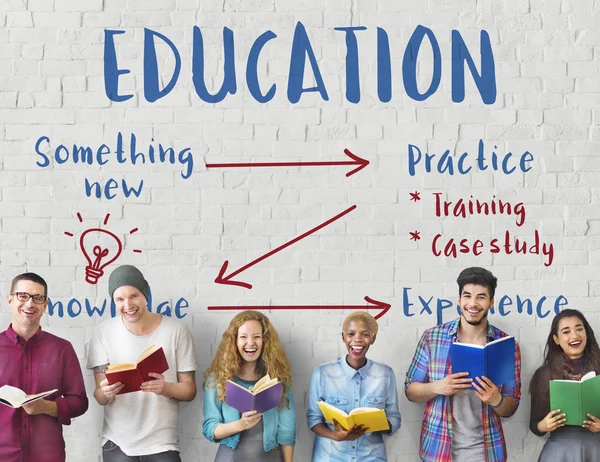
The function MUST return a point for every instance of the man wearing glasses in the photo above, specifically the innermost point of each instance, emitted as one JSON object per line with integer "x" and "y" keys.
{"x": 36, "y": 361}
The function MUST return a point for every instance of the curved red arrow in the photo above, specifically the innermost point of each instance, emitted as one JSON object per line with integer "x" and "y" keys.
{"x": 227, "y": 279}
{"x": 355, "y": 160}
{"x": 374, "y": 304}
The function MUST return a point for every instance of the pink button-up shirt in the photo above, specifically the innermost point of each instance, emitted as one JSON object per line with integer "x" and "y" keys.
{"x": 41, "y": 364}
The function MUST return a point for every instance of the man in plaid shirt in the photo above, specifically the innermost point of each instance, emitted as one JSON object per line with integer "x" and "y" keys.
{"x": 461, "y": 424}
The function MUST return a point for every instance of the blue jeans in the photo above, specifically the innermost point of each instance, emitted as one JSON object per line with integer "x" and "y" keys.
{"x": 112, "y": 453}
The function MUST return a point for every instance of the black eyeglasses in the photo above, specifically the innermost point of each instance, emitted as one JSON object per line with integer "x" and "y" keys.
{"x": 24, "y": 296}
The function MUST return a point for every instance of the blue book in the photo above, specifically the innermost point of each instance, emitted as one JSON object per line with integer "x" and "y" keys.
{"x": 495, "y": 360}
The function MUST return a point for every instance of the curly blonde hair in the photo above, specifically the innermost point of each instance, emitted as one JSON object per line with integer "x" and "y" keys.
{"x": 227, "y": 362}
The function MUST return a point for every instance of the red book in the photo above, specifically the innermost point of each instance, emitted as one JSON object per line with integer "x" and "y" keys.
{"x": 133, "y": 375}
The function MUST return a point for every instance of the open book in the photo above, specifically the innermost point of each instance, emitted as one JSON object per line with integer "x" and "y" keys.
{"x": 132, "y": 376}
{"x": 265, "y": 395}
{"x": 576, "y": 398}
{"x": 15, "y": 398}
{"x": 495, "y": 360}
{"x": 373, "y": 419}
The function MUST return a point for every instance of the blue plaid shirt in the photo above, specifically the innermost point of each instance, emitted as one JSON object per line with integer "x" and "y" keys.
{"x": 336, "y": 383}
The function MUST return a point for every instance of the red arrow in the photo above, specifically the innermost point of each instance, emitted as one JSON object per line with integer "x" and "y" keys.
{"x": 222, "y": 279}
{"x": 355, "y": 160}
{"x": 384, "y": 307}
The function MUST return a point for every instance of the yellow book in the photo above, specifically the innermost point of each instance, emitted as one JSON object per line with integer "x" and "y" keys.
{"x": 371, "y": 418}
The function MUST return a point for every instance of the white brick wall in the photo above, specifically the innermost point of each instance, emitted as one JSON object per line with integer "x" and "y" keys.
{"x": 547, "y": 60}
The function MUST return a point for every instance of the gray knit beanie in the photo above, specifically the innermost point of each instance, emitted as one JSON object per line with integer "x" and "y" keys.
{"x": 127, "y": 275}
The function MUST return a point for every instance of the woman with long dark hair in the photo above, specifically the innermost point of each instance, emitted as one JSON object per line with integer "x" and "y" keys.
{"x": 571, "y": 351}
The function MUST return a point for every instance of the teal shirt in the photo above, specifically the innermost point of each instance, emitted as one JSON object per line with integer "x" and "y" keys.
{"x": 279, "y": 424}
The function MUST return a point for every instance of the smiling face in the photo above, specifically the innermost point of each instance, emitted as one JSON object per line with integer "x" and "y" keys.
{"x": 358, "y": 338}
{"x": 250, "y": 340}
{"x": 130, "y": 303}
{"x": 26, "y": 315}
{"x": 571, "y": 337}
{"x": 475, "y": 302}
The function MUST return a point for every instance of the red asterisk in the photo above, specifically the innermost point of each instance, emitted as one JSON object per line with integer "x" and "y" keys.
{"x": 416, "y": 196}
{"x": 415, "y": 236}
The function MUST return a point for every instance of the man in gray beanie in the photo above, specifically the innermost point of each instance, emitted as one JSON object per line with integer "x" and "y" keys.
{"x": 152, "y": 411}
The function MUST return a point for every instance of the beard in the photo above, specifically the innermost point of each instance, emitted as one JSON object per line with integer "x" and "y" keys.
{"x": 476, "y": 322}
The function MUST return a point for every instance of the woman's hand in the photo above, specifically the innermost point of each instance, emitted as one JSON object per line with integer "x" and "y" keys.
{"x": 249, "y": 419}
{"x": 552, "y": 421}
{"x": 339, "y": 434}
{"x": 593, "y": 424}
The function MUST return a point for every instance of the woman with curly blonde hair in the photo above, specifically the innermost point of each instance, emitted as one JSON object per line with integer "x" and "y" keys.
{"x": 250, "y": 348}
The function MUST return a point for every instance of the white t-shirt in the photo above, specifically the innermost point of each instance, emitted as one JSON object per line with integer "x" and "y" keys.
{"x": 142, "y": 423}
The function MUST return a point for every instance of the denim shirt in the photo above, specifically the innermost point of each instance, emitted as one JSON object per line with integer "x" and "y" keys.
{"x": 336, "y": 383}
{"x": 279, "y": 424}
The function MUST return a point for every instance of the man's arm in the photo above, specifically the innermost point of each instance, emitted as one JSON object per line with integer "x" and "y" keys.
{"x": 452, "y": 383}
{"x": 42, "y": 406}
{"x": 104, "y": 392}
{"x": 505, "y": 402}
{"x": 489, "y": 393}
{"x": 72, "y": 400}
{"x": 421, "y": 392}
{"x": 183, "y": 390}
{"x": 507, "y": 408}
{"x": 419, "y": 388}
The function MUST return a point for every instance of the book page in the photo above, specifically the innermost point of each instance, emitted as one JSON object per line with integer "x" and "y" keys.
{"x": 265, "y": 385}
{"x": 503, "y": 339}
{"x": 470, "y": 345}
{"x": 360, "y": 410}
{"x": 332, "y": 408}
{"x": 16, "y": 397}
{"x": 147, "y": 352}
{"x": 31, "y": 398}
{"x": 12, "y": 395}
{"x": 119, "y": 367}
{"x": 260, "y": 382}
{"x": 589, "y": 375}
{"x": 331, "y": 413}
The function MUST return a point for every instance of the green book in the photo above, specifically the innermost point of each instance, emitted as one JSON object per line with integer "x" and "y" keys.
{"x": 576, "y": 398}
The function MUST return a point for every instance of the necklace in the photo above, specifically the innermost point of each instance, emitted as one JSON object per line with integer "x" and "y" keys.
{"x": 574, "y": 376}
